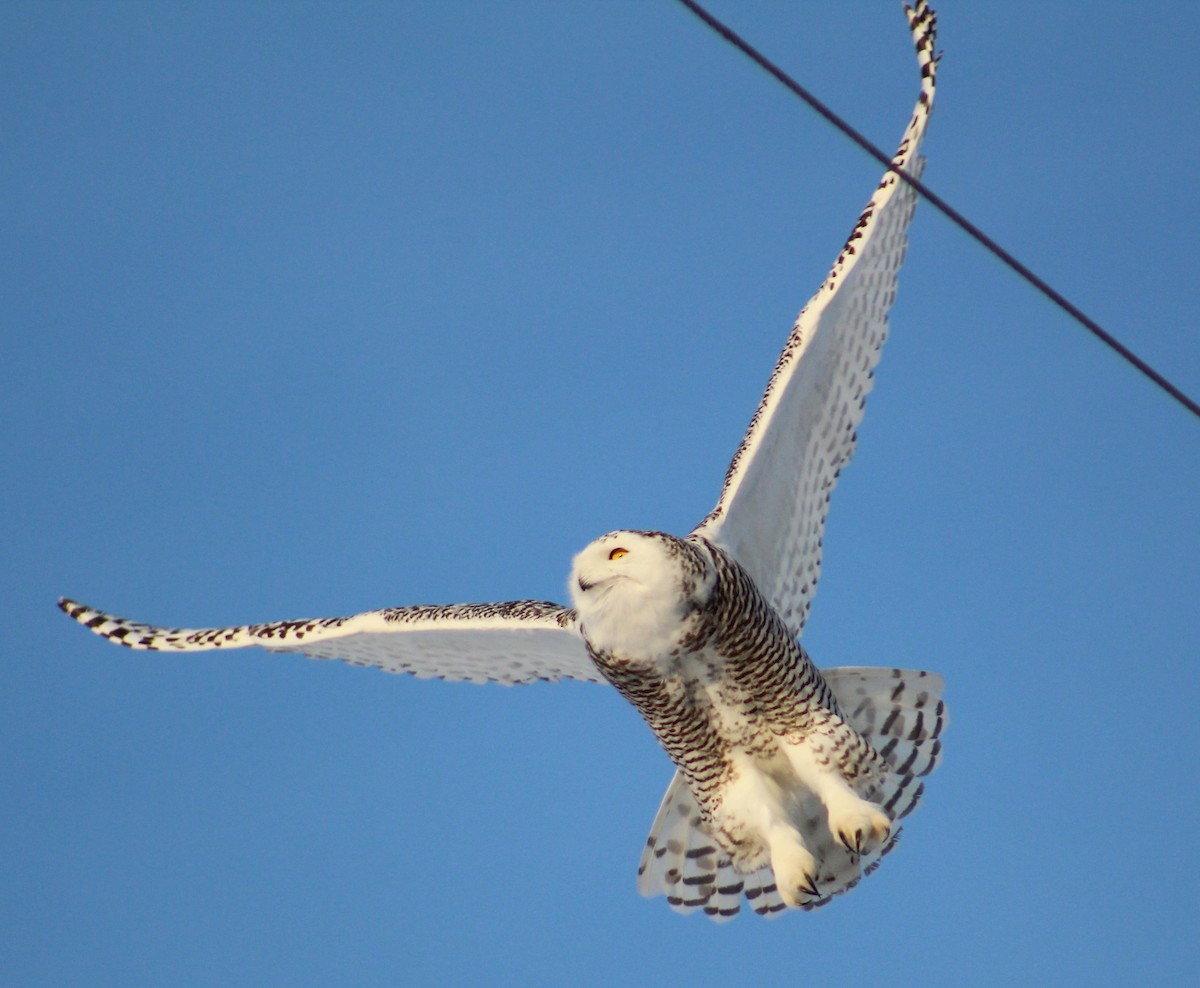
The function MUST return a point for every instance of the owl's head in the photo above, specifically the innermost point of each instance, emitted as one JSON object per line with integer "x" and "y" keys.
{"x": 631, "y": 589}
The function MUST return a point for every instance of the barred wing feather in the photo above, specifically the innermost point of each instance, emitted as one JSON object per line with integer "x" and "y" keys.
{"x": 514, "y": 642}
{"x": 771, "y": 512}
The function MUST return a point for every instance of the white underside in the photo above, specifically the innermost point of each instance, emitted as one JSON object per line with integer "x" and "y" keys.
{"x": 776, "y": 803}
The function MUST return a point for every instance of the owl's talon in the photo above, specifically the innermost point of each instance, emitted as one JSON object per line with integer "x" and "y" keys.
{"x": 853, "y": 845}
{"x": 863, "y": 829}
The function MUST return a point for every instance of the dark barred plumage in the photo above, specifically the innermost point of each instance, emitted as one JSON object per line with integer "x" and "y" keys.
{"x": 899, "y": 712}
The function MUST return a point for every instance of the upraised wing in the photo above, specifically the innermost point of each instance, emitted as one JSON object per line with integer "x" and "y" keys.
{"x": 514, "y": 642}
{"x": 771, "y": 513}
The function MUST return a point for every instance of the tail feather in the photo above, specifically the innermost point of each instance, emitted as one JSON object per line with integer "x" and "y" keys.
{"x": 902, "y": 714}
{"x": 684, "y": 863}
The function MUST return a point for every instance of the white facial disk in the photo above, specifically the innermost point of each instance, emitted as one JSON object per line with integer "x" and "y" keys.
{"x": 633, "y": 591}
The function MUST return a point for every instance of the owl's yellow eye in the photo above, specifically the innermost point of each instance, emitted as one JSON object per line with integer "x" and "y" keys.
{"x": 618, "y": 553}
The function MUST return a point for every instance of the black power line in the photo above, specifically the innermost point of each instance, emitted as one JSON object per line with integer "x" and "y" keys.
{"x": 946, "y": 209}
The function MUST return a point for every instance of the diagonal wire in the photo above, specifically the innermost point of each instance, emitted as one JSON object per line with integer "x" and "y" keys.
{"x": 946, "y": 209}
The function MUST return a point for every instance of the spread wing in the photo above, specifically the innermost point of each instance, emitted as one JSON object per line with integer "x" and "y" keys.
{"x": 771, "y": 513}
{"x": 515, "y": 642}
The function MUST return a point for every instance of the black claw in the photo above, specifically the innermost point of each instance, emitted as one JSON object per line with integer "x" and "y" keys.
{"x": 853, "y": 846}
{"x": 810, "y": 888}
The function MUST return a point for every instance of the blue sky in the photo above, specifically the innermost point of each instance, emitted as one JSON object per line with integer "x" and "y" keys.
{"x": 311, "y": 309}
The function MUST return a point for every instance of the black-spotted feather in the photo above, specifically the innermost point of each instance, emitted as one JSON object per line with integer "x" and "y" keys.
{"x": 771, "y": 512}
{"x": 514, "y": 642}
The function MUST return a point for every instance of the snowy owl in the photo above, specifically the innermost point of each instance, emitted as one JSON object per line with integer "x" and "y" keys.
{"x": 790, "y": 782}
